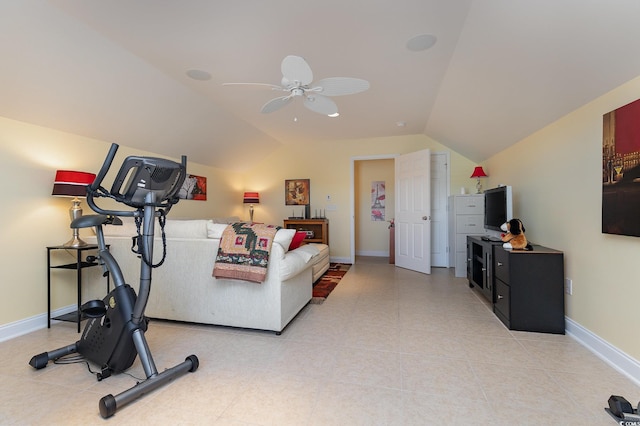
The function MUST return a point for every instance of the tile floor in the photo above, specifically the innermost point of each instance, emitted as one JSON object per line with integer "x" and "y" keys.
{"x": 388, "y": 347}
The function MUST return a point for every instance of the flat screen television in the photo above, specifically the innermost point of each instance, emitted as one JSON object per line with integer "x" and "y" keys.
{"x": 498, "y": 207}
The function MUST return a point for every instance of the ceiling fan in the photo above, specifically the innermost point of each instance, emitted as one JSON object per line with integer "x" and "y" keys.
{"x": 297, "y": 79}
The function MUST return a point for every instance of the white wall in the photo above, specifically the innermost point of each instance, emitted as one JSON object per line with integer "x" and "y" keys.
{"x": 556, "y": 177}
{"x": 31, "y": 219}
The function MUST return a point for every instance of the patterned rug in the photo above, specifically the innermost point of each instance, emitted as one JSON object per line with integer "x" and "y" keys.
{"x": 328, "y": 281}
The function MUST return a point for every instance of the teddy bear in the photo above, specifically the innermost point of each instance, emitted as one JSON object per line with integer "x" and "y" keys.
{"x": 514, "y": 237}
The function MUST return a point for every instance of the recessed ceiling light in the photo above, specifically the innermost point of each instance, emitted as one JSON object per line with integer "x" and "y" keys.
{"x": 199, "y": 75}
{"x": 421, "y": 42}
{"x": 335, "y": 114}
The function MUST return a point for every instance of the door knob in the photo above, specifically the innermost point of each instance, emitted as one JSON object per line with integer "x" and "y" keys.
{"x": 426, "y": 217}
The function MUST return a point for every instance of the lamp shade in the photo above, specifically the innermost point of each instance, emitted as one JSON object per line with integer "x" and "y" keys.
{"x": 69, "y": 183}
{"x": 478, "y": 172}
{"x": 251, "y": 198}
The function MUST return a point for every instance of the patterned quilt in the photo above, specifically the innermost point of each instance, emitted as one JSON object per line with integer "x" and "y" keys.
{"x": 244, "y": 251}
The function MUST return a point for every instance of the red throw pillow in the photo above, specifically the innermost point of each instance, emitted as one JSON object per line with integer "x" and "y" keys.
{"x": 297, "y": 240}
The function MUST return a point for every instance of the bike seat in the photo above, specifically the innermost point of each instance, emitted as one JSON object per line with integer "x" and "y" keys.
{"x": 91, "y": 220}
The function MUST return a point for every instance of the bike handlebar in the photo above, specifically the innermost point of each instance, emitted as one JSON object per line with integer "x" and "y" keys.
{"x": 105, "y": 167}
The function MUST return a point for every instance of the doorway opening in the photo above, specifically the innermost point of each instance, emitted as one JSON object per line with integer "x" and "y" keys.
{"x": 363, "y": 174}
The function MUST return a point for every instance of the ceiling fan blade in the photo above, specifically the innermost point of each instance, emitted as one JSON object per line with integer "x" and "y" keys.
{"x": 276, "y": 104}
{"x": 296, "y": 69}
{"x": 338, "y": 86}
{"x": 265, "y": 85}
{"x": 320, "y": 104}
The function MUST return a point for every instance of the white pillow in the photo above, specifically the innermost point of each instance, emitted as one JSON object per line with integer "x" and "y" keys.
{"x": 284, "y": 237}
{"x": 215, "y": 230}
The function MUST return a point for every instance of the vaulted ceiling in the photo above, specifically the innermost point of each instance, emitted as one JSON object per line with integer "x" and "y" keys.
{"x": 116, "y": 70}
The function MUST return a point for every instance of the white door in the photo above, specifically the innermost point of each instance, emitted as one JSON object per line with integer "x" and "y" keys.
{"x": 439, "y": 196}
{"x": 413, "y": 210}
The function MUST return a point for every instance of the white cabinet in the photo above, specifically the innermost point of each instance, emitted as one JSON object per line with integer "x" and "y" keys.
{"x": 466, "y": 217}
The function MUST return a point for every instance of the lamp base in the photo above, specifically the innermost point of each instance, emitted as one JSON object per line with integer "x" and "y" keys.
{"x": 75, "y": 242}
{"x": 75, "y": 212}
{"x": 478, "y": 187}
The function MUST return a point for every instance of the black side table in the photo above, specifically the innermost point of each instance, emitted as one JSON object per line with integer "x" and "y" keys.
{"x": 78, "y": 265}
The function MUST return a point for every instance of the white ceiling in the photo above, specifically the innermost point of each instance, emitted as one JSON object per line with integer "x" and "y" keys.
{"x": 500, "y": 69}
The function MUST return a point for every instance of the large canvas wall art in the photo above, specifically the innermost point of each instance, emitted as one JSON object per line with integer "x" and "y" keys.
{"x": 621, "y": 170}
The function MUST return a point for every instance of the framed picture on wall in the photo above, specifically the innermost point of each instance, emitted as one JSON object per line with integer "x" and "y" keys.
{"x": 194, "y": 188}
{"x": 377, "y": 200}
{"x": 296, "y": 192}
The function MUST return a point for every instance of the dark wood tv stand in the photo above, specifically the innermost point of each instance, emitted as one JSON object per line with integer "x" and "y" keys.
{"x": 525, "y": 288}
{"x": 479, "y": 261}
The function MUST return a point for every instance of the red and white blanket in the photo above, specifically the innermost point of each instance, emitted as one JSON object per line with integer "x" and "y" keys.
{"x": 244, "y": 251}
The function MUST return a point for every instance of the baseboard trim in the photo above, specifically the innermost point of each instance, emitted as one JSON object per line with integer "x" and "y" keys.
{"x": 373, "y": 253}
{"x": 27, "y": 325}
{"x": 334, "y": 259}
{"x": 613, "y": 356}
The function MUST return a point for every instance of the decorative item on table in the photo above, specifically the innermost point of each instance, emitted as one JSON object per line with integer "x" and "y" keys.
{"x": 74, "y": 184}
{"x": 478, "y": 173}
{"x": 297, "y": 193}
{"x": 514, "y": 237}
{"x": 251, "y": 198}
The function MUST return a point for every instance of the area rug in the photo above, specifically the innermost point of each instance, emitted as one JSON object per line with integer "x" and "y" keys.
{"x": 328, "y": 281}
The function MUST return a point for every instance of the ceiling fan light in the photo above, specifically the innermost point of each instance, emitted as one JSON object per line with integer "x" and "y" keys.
{"x": 296, "y": 79}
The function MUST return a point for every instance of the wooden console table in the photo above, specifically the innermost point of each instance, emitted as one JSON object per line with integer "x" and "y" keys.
{"x": 319, "y": 227}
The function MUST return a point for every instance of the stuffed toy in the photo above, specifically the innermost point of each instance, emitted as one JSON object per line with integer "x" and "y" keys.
{"x": 514, "y": 237}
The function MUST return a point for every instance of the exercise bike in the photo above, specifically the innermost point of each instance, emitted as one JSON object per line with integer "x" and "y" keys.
{"x": 114, "y": 333}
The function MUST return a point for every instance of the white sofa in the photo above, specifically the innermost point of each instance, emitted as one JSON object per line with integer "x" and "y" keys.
{"x": 184, "y": 289}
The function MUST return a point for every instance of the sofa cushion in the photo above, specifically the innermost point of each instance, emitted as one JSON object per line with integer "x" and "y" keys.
{"x": 215, "y": 230}
{"x": 174, "y": 228}
{"x": 189, "y": 228}
{"x": 307, "y": 251}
